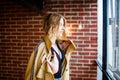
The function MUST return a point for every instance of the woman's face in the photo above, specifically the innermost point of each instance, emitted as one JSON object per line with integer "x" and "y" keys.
{"x": 61, "y": 28}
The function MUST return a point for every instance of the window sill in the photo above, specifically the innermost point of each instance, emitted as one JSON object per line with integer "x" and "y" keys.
{"x": 116, "y": 75}
{"x": 109, "y": 77}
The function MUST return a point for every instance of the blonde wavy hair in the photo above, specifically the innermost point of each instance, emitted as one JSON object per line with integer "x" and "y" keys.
{"x": 52, "y": 21}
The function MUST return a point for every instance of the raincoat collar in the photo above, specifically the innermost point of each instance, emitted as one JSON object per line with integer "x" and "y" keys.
{"x": 49, "y": 43}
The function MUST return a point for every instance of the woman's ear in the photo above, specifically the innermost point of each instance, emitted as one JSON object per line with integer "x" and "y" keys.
{"x": 54, "y": 29}
{"x": 50, "y": 30}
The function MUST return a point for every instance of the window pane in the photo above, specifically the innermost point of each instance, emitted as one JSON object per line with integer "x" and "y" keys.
{"x": 113, "y": 37}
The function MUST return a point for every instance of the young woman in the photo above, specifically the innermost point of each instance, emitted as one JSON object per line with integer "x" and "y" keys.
{"x": 50, "y": 59}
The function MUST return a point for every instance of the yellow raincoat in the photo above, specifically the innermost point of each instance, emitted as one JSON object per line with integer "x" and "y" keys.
{"x": 42, "y": 70}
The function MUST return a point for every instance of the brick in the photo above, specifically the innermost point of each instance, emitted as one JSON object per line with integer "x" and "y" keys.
{"x": 27, "y": 48}
{"x": 77, "y": 2}
{"x": 75, "y": 57}
{"x": 11, "y": 22}
{"x": 22, "y": 30}
{"x": 15, "y": 33}
{"x": 83, "y": 53}
{"x": 22, "y": 22}
{"x": 28, "y": 26}
{"x": 27, "y": 40}
{"x": 90, "y": 57}
{"x": 71, "y": 6}
{"x": 76, "y": 71}
{"x": 33, "y": 22}
{"x": 22, "y": 37}
{"x": 17, "y": 48}
{"x": 83, "y": 61}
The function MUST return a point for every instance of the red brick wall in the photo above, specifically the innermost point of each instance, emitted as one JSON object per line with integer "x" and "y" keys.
{"x": 21, "y": 30}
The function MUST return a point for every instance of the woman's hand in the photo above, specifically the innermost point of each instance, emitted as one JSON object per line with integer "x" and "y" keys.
{"x": 53, "y": 62}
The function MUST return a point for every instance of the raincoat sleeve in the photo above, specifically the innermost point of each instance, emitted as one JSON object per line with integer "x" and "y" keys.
{"x": 42, "y": 70}
{"x": 29, "y": 66}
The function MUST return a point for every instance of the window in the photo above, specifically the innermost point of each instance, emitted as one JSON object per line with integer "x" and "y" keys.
{"x": 108, "y": 40}
{"x": 113, "y": 39}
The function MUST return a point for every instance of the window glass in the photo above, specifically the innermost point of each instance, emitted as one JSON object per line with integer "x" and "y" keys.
{"x": 113, "y": 39}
